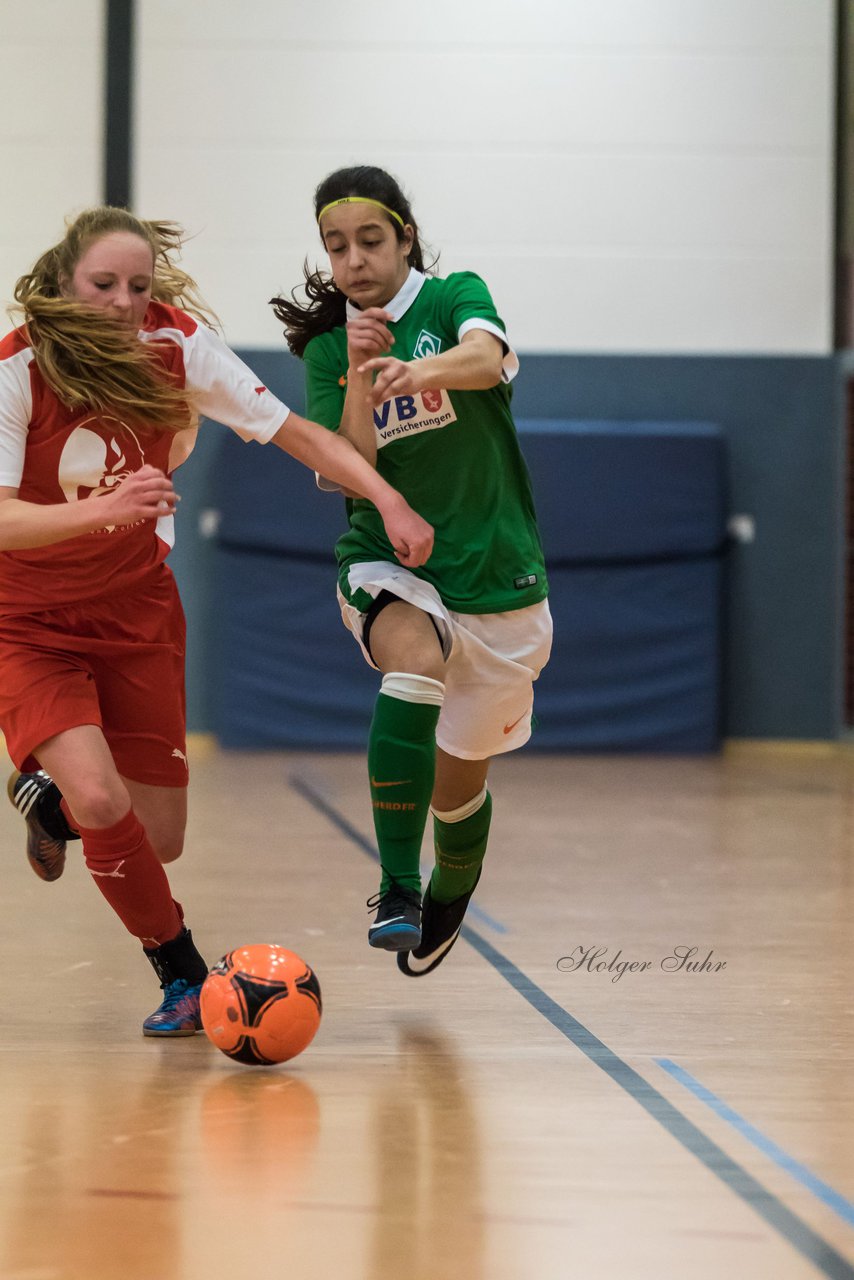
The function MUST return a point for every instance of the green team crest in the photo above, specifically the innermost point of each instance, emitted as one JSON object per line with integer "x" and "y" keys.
{"x": 427, "y": 344}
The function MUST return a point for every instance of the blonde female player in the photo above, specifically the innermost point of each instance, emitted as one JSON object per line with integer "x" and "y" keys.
{"x": 414, "y": 370}
{"x": 100, "y": 392}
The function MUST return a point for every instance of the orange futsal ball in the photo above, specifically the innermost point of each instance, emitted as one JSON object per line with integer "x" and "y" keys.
{"x": 261, "y": 1004}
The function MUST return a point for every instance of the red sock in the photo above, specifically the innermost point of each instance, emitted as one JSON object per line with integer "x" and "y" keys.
{"x": 126, "y": 870}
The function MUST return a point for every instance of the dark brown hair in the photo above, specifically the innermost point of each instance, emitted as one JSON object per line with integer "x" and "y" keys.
{"x": 326, "y": 307}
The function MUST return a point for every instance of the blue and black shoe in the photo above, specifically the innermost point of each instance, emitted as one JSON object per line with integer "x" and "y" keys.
{"x": 397, "y": 925}
{"x": 182, "y": 972}
{"x": 178, "y": 1014}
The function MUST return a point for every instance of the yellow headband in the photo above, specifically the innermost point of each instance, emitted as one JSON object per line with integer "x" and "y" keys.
{"x": 360, "y": 200}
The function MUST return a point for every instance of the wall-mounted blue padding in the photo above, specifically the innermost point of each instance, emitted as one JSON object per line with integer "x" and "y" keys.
{"x": 626, "y": 491}
{"x": 633, "y": 520}
{"x": 292, "y": 675}
{"x": 636, "y": 663}
{"x": 603, "y": 491}
{"x": 268, "y": 501}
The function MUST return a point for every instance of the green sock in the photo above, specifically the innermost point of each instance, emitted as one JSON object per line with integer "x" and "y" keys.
{"x": 402, "y": 767}
{"x": 460, "y": 848}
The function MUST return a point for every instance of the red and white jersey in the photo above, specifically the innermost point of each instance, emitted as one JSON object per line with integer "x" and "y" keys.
{"x": 51, "y": 454}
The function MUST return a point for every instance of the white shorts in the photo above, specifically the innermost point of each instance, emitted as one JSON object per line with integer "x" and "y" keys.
{"x": 492, "y": 661}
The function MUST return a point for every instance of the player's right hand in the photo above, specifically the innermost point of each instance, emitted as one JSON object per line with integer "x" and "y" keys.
{"x": 147, "y": 494}
{"x": 368, "y": 335}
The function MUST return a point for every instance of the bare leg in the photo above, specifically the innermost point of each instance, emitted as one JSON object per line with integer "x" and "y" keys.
{"x": 82, "y": 766}
{"x": 457, "y": 781}
{"x": 111, "y": 814}
{"x": 404, "y": 639}
{"x": 163, "y": 813}
{"x": 116, "y": 847}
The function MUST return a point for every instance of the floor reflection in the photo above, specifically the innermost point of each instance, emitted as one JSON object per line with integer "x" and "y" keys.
{"x": 429, "y": 1222}
{"x": 98, "y": 1167}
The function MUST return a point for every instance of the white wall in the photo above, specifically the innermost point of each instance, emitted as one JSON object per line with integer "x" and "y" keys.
{"x": 51, "y": 58}
{"x": 637, "y": 175}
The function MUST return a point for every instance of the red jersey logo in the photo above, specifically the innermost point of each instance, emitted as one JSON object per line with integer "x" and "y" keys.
{"x": 432, "y": 401}
{"x": 98, "y": 454}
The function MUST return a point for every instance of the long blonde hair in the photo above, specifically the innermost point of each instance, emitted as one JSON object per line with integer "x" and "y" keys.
{"x": 83, "y": 355}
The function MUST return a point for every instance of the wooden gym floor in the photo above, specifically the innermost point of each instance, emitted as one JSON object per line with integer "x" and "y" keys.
{"x": 514, "y": 1116}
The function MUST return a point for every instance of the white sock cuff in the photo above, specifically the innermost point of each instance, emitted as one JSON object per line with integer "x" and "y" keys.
{"x": 407, "y": 688}
{"x": 465, "y": 810}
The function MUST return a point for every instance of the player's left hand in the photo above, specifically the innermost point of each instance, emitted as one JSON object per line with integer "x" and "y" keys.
{"x": 394, "y": 378}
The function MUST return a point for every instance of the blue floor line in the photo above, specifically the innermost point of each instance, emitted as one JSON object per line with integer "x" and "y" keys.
{"x": 822, "y": 1190}
{"x": 485, "y": 918}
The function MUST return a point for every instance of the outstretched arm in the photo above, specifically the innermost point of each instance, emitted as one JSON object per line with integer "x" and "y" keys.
{"x": 337, "y": 459}
{"x": 473, "y": 365}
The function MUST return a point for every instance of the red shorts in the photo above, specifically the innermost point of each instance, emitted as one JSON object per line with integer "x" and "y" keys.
{"x": 117, "y": 663}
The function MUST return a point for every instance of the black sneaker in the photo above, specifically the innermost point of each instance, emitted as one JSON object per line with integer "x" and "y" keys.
{"x": 440, "y": 927}
{"x": 397, "y": 926}
{"x": 36, "y": 797}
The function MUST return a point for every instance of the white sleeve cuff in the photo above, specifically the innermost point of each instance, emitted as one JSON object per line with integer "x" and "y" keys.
{"x": 510, "y": 363}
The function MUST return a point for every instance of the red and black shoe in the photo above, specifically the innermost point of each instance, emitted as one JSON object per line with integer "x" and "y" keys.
{"x": 37, "y": 798}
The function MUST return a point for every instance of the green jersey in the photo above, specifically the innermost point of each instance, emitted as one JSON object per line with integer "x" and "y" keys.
{"x": 454, "y": 455}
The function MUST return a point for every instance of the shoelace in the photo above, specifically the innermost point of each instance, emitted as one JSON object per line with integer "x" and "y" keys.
{"x": 396, "y": 895}
{"x": 174, "y": 994}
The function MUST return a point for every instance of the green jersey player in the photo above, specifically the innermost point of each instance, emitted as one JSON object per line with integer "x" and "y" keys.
{"x": 414, "y": 370}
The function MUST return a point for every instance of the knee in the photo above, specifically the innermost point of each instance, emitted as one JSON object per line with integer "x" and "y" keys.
{"x": 403, "y": 637}
{"x": 97, "y": 804}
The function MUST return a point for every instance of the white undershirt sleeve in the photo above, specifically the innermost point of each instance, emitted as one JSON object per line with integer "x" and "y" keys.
{"x": 16, "y": 409}
{"x": 226, "y": 389}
